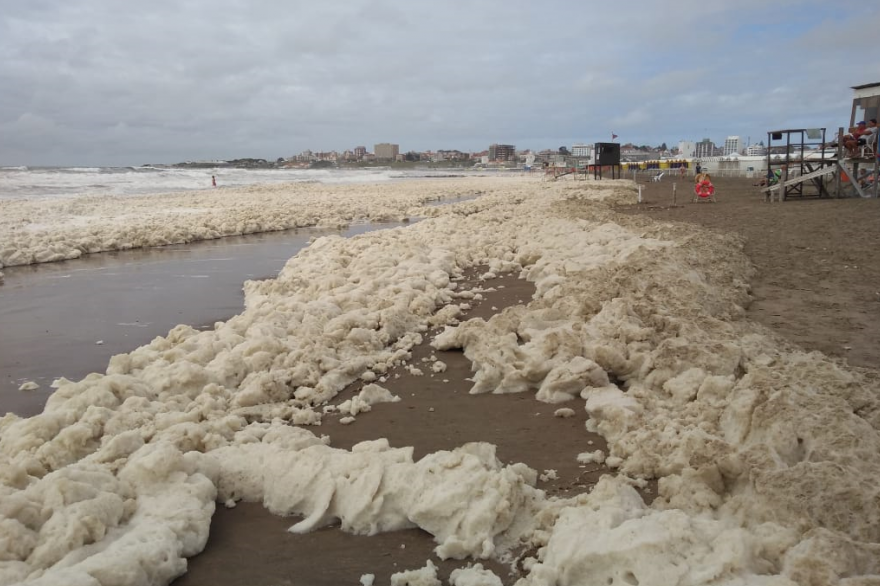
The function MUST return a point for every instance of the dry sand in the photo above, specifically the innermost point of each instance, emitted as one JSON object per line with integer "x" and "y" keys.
{"x": 817, "y": 260}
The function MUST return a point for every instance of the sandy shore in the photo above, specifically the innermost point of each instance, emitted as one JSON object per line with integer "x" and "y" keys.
{"x": 437, "y": 413}
{"x": 721, "y": 443}
{"x": 818, "y": 271}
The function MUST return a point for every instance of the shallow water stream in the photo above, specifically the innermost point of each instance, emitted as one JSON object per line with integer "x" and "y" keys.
{"x": 68, "y": 318}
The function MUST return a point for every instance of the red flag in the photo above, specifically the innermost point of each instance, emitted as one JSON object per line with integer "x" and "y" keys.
{"x": 613, "y": 136}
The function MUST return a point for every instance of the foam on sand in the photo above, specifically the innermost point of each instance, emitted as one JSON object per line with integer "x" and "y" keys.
{"x": 766, "y": 455}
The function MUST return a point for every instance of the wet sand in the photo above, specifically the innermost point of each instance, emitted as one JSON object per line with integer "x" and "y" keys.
{"x": 53, "y": 315}
{"x": 125, "y": 299}
{"x": 804, "y": 289}
{"x": 248, "y": 545}
{"x": 58, "y": 311}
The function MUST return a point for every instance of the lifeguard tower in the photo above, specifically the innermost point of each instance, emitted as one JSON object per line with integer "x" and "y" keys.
{"x": 606, "y": 154}
{"x": 810, "y": 169}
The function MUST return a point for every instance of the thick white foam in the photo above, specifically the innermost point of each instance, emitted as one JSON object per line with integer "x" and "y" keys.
{"x": 48, "y": 230}
{"x": 766, "y": 455}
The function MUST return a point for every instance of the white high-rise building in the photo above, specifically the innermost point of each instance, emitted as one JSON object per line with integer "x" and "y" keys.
{"x": 705, "y": 148}
{"x": 731, "y": 146}
{"x": 687, "y": 148}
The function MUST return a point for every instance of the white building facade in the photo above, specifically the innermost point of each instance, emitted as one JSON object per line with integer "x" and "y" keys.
{"x": 756, "y": 150}
{"x": 731, "y": 145}
{"x": 582, "y": 151}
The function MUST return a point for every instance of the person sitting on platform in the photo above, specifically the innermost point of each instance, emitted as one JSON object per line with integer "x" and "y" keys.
{"x": 865, "y": 135}
{"x": 852, "y": 134}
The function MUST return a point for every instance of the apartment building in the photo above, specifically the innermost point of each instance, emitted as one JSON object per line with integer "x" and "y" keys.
{"x": 386, "y": 151}
{"x": 731, "y": 145}
{"x": 502, "y": 152}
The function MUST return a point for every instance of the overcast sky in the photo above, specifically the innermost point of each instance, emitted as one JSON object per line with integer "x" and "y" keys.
{"x": 117, "y": 82}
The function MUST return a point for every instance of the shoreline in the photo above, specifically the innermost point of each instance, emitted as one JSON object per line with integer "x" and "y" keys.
{"x": 39, "y": 231}
{"x": 68, "y": 319}
{"x": 635, "y": 330}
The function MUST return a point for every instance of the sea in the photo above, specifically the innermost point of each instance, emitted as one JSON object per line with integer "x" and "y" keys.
{"x": 61, "y": 182}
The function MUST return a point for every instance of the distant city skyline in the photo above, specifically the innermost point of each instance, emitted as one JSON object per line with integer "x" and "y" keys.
{"x": 97, "y": 82}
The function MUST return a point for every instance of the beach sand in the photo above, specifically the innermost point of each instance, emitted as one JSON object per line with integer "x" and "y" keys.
{"x": 795, "y": 246}
{"x": 248, "y": 545}
{"x": 817, "y": 260}
{"x": 815, "y": 285}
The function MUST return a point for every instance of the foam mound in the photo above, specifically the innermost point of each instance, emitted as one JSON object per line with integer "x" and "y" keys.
{"x": 765, "y": 455}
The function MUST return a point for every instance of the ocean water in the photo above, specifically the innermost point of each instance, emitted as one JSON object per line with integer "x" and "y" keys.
{"x": 60, "y": 182}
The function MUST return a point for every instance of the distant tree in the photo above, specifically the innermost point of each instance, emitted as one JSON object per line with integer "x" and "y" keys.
{"x": 411, "y": 156}
{"x": 563, "y": 151}
{"x": 663, "y": 147}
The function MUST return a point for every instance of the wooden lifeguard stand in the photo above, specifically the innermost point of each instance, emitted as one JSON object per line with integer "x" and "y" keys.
{"x": 606, "y": 154}
{"x": 809, "y": 170}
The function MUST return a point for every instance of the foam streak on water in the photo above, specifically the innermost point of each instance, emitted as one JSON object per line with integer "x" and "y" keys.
{"x": 58, "y": 182}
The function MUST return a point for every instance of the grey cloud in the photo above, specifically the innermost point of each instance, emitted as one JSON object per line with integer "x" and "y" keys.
{"x": 103, "y": 82}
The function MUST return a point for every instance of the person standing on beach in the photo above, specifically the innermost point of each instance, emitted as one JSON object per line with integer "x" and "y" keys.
{"x": 213, "y": 181}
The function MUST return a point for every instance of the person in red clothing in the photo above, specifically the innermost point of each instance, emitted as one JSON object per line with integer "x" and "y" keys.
{"x": 213, "y": 181}
{"x": 864, "y": 134}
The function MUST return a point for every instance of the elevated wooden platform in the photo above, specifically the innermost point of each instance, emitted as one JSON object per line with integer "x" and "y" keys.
{"x": 814, "y": 171}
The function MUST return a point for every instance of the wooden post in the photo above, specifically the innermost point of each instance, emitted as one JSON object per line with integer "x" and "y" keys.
{"x": 876, "y": 166}
{"x": 673, "y": 194}
{"x": 838, "y": 185}
{"x": 640, "y": 194}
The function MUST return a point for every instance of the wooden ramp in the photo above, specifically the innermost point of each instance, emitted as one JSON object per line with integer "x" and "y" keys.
{"x": 826, "y": 170}
{"x": 556, "y": 172}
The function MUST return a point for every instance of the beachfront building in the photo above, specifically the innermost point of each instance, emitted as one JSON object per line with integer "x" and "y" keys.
{"x": 735, "y": 165}
{"x": 757, "y": 150}
{"x": 502, "y": 152}
{"x": 582, "y": 151}
{"x": 450, "y": 155}
{"x": 359, "y": 152}
{"x": 330, "y": 156}
{"x": 687, "y": 148}
{"x": 731, "y": 146}
{"x": 385, "y": 151}
{"x": 633, "y": 155}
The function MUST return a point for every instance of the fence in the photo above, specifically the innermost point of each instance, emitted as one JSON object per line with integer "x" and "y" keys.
{"x": 671, "y": 173}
